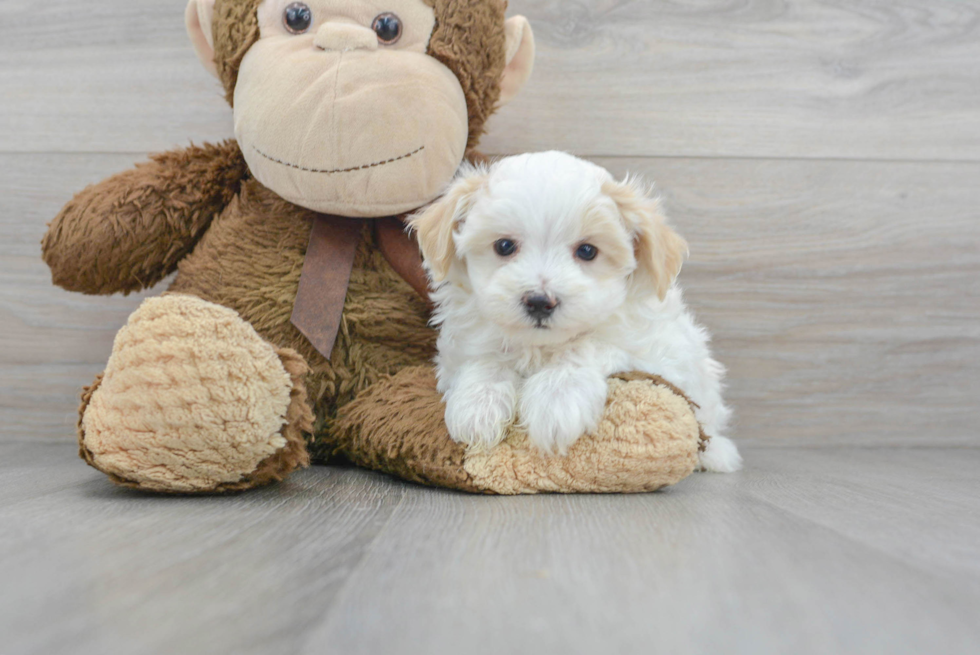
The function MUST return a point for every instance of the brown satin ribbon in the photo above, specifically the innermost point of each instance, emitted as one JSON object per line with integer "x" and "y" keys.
{"x": 402, "y": 252}
{"x": 319, "y": 304}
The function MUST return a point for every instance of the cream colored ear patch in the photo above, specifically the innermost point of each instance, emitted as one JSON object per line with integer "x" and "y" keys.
{"x": 192, "y": 398}
{"x": 648, "y": 439}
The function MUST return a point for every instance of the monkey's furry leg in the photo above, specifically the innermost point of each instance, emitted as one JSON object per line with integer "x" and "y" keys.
{"x": 648, "y": 439}
{"x": 193, "y": 400}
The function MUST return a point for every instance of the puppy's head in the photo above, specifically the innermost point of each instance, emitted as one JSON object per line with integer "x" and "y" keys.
{"x": 548, "y": 245}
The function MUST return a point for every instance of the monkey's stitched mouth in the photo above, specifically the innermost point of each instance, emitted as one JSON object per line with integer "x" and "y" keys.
{"x": 340, "y": 170}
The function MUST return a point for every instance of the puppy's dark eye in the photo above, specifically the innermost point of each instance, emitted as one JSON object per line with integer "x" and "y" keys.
{"x": 297, "y": 18}
{"x": 388, "y": 27}
{"x": 587, "y": 252}
{"x": 505, "y": 247}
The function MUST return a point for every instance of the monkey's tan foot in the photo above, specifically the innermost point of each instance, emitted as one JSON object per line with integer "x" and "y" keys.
{"x": 193, "y": 400}
{"x": 648, "y": 439}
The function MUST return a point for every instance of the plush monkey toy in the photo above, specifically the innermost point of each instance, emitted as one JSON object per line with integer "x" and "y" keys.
{"x": 297, "y": 323}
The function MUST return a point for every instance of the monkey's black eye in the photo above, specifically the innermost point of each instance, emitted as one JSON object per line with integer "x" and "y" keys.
{"x": 297, "y": 17}
{"x": 587, "y": 252}
{"x": 505, "y": 247}
{"x": 388, "y": 27}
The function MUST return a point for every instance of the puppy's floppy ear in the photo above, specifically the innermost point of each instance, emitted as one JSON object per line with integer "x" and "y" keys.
{"x": 660, "y": 251}
{"x": 436, "y": 225}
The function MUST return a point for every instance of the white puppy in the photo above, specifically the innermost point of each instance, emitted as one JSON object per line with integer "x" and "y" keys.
{"x": 551, "y": 276}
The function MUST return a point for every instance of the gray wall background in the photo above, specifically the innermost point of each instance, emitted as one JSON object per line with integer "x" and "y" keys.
{"x": 822, "y": 157}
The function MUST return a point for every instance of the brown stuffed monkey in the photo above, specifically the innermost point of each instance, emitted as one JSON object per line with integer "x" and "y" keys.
{"x": 297, "y": 323}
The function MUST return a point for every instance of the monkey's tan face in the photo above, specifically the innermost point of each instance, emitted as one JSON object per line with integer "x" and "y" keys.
{"x": 339, "y": 109}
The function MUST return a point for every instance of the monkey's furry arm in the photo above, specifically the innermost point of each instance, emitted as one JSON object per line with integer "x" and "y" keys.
{"x": 129, "y": 232}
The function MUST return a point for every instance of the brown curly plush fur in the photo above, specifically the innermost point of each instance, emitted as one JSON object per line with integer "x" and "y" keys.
{"x": 136, "y": 226}
{"x": 193, "y": 400}
{"x": 251, "y": 259}
{"x": 648, "y": 439}
{"x": 468, "y": 39}
{"x": 396, "y": 426}
{"x": 238, "y": 245}
{"x": 274, "y": 468}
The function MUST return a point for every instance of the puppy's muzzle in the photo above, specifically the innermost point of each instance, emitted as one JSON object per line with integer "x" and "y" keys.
{"x": 539, "y": 306}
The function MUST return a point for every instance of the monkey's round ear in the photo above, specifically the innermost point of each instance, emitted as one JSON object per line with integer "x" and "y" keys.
{"x": 520, "y": 58}
{"x": 198, "y": 18}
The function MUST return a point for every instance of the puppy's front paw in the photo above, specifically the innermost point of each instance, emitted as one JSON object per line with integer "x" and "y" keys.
{"x": 559, "y": 408}
{"x": 480, "y": 416}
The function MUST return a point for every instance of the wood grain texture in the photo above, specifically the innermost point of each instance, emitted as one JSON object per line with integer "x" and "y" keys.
{"x": 753, "y": 78}
{"x": 807, "y": 551}
{"x": 718, "y": 564}
{"x": 126, "y": 572}
{"x": 843, "y": 296}
{"x": 51, "y": 342}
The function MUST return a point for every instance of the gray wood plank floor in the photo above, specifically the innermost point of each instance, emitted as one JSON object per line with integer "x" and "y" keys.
{"x": 846, "y": 550}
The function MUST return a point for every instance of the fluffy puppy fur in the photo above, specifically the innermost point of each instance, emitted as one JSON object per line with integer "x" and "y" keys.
{"x": 549, "y": 277}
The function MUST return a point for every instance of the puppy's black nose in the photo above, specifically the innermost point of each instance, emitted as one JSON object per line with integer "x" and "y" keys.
{"x": 539, "y": 306}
